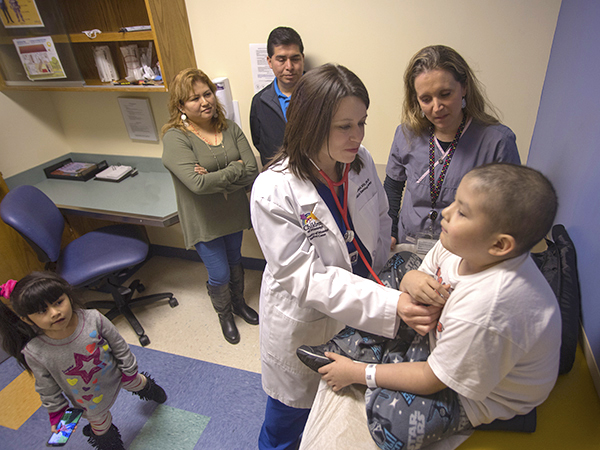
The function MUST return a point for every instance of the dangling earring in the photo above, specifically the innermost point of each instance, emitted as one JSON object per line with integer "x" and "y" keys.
{"x": 422, "y": 113}
{"x": 464, "y": 103}
{"x": 184, "y": 119}
{"x": 216, "y": 114}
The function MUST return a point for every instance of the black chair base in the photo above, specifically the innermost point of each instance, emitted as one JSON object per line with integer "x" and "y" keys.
{"x": 124, "y": 301}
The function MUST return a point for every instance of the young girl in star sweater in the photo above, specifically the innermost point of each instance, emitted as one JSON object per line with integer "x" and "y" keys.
{"x": 76, "y": 355}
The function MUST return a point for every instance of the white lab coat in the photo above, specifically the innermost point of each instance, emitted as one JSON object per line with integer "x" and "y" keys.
{"x": 308, "y": 289}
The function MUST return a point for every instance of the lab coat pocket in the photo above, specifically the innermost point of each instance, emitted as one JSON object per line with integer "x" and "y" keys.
{"x": 288, "y": 332}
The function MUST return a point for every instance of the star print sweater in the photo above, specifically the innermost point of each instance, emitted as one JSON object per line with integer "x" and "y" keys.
{"x": 87, "y": 367}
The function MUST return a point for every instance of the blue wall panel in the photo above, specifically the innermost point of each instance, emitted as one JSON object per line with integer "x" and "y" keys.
{"x": 566, "y": 144}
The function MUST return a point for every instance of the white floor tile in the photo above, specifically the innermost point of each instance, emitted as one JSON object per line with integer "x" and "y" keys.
{"x": 191, "y": 329}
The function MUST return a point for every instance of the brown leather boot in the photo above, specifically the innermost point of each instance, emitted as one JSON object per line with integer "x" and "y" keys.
{"x": 236, "y": 285}
{"x": 221, "y": 300}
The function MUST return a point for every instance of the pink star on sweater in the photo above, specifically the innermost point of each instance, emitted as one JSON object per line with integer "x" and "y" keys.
{"x": 80, "y": 360}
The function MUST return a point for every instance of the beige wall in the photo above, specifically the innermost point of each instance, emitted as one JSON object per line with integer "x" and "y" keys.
{"x": 506, "y": 42}
{"x": 30, "y": 131}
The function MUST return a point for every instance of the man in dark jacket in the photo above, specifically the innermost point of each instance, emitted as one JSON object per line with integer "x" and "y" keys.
{"x": 267, "y": 115}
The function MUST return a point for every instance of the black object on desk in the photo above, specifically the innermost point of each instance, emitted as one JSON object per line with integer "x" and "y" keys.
{"x": 69, "y": 170}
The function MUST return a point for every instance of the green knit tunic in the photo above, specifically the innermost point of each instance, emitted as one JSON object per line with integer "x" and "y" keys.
{"x": 214, "y": 204}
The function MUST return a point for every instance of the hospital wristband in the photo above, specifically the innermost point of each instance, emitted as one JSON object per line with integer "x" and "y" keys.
{"x": 370, "y": 375}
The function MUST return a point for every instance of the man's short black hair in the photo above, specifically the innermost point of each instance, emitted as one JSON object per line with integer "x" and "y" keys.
{"x": 283, "y": 36}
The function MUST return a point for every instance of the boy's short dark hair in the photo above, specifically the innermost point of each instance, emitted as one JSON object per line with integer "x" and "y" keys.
{"x": 521, "y": 201}
{"x": 283, "y": 36}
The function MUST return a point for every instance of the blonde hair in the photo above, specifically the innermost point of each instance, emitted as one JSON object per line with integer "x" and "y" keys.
{"x": 180, "y": 89}
{"x": 441, "y": 57}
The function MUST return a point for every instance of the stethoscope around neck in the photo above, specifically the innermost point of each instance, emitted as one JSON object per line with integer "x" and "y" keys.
{"x": 350, "y": 235}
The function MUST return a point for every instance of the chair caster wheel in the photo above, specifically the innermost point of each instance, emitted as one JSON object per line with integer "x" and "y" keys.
{"x": 173, "y": 302}
{"x": 144, "y": 340}
{"x": 140, "y": 288}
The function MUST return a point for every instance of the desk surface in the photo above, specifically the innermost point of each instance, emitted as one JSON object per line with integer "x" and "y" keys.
{"x": 146, "y": 199}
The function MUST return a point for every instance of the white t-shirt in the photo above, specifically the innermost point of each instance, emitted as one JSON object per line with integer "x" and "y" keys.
{"x": 497, "y": 342}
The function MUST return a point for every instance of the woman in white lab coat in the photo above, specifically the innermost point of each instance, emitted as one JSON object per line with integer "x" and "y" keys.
{"x": 315, "y": 280}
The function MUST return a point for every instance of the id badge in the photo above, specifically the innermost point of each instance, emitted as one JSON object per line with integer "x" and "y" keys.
{"x": 424, "y": 245}
{"x": 425, "y": 242}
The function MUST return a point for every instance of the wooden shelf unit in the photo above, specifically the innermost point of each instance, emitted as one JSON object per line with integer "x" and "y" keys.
{"x": 169, "y": 36}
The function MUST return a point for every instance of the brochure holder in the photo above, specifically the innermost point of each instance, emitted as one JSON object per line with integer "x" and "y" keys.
{"x": 69, "y": 170}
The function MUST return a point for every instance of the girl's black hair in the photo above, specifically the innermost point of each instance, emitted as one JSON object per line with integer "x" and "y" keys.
{"x": 30, "y": 295}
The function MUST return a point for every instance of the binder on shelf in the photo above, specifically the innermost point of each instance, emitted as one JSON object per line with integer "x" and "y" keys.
{"x": 69, "y": 170}
{"x": 114, "y": 173}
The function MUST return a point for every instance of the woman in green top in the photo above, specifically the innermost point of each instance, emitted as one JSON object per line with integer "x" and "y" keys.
{"x": 212, "y": 166}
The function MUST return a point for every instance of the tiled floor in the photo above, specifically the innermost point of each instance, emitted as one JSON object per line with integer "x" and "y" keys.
{"x": 192, "y": 328}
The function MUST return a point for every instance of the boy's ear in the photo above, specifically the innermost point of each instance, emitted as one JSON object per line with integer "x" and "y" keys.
{"x": 503, "y": 246}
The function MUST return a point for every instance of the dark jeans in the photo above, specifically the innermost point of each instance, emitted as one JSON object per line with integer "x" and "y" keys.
{"x": 218, "y": 254}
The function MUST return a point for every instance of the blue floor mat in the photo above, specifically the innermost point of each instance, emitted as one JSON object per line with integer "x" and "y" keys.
{"x": 209, "y": 407}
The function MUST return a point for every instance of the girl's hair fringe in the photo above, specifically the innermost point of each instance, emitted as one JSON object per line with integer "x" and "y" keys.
{"x": 30, "y": 295}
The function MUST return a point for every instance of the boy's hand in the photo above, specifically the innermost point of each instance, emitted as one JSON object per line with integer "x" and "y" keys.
{"x": 421, "y": 318}
{"x": 425, "y": 289}
{"x": 342, "y": 372}
{"x": 54, "y": 429}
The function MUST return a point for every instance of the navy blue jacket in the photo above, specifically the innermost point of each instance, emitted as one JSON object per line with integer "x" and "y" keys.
{"x": 267, "y": 123}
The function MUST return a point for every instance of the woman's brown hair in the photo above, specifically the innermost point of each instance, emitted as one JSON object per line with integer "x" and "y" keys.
{"x": 314, "y": 102}
{"x": 180, "y": 89}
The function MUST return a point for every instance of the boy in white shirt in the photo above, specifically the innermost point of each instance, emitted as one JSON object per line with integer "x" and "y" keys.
{"x": 495, "y": 351}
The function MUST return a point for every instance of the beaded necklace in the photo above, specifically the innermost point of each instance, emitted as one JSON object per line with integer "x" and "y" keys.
{"x": 209, "y": 145}
{"x": 435, "y": 187}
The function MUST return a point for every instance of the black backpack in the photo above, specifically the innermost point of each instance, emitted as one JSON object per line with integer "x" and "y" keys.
{"x": 558, "y": 263}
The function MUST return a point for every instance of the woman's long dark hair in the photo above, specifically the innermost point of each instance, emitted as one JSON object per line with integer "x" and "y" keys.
{"x": 314, "y": 102}
{"x": 30, "y": 295}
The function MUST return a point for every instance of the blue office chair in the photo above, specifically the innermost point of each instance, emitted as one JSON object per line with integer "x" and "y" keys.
{"x": 100, "y": 259}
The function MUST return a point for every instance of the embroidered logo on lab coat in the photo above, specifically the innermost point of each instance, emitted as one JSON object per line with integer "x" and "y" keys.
{"x": 312, "y": 226}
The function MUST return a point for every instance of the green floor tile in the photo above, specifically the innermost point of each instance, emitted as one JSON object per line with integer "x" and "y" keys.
{"x": 170, "y": 428}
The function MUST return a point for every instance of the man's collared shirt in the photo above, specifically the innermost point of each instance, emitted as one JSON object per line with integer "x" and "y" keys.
{"x": 284, "y": 100}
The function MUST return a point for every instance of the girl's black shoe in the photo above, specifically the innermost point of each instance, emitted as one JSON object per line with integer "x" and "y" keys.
{"x": 152, "y": 391}
{"x": 111, "y": 440}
